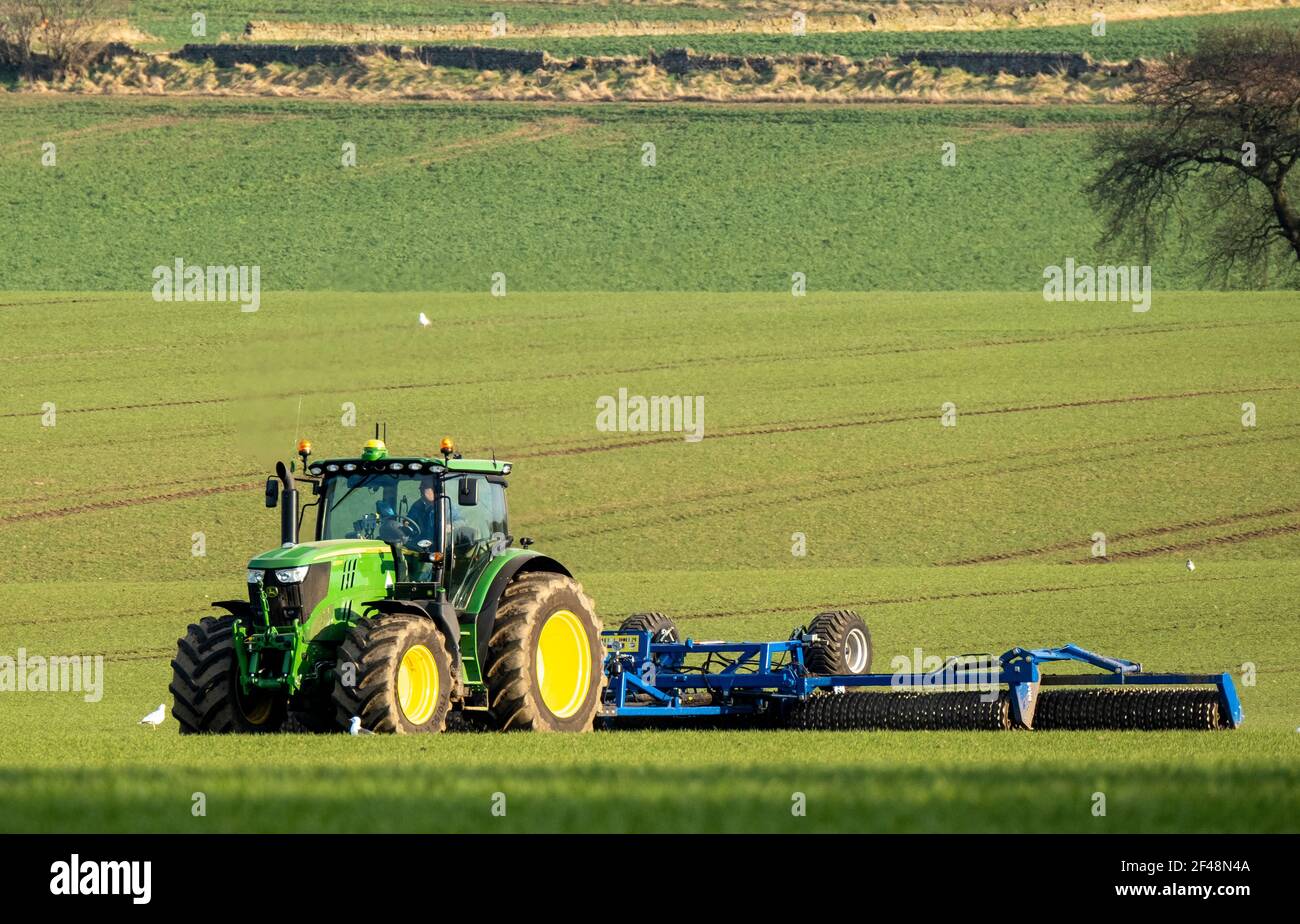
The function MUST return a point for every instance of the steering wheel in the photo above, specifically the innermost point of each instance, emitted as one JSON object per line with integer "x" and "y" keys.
{"x": 410, "y": 529}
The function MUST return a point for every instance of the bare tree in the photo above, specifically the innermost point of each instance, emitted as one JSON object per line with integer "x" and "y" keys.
{"x": 1215, "y": 151}
{"x": 74, "y": 32}
{"x": 69, "y": 33}
{"x": 19, "y": 23}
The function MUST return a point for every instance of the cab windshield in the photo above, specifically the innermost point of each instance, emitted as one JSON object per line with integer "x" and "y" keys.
{"x": 402, "y": 509}
{"x": 375, "y": 505}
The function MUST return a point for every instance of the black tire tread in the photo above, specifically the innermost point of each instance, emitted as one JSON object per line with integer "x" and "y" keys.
{"x": 374, "y": 646}
{"x": 660, "y": 626}
{"x": 826, "y": 655}
{"x": 509, "y": 673}
{"x": 205, "y": 673}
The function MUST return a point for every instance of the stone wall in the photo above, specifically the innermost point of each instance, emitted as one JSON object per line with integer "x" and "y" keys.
{"x": 1018, "y": 64}
{"x": 674, "y": 60}
{"x": 298, "y": 55}
{"x": 479, "y": 58}
{"x": 1015, "y": 63}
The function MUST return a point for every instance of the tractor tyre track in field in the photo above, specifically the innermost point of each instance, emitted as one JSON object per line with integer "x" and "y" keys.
{"x": 1144, "y": 533}
{"x": 750, "y": 504}
{"x": 127, "y": 502}
{"x": 748, "y": 359}
{"x": 1268, "y": 532}
{"x": 782, "y": 428}
{"x": 768, "y": 487}
{"x": 124, "y": 488}
{"x": 73, "y": 620}
{"x": 144, "y": 654}
{"x": 812, "y": 608}
{"x": 1075, "y": 452}
{"x": 191, "y": 402}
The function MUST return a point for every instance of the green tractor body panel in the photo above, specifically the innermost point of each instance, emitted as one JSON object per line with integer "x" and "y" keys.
{"x": 301, "y": 623}
{"x": 475, "y": 594}
{"x": 305, "y": 596}
{"x": 307, "y": 553}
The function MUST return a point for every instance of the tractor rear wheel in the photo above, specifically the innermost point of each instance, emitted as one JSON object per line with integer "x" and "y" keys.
{"x": 843, "y": 644}
{"x": 394, "y": 673}
{"x": 545, "y": 666}
{"x": 661, "y": 628}
{"x": 205, "y": 685}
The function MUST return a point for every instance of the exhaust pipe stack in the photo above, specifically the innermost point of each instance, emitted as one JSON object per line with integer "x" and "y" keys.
{"x": 288, "y": 506}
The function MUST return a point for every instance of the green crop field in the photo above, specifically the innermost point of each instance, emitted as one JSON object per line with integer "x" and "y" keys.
{"x": 1124, "y": 39}
{"x": 136, "y": 431}
{"x": 555, "y": 197}
{"x": 822, "y": 418}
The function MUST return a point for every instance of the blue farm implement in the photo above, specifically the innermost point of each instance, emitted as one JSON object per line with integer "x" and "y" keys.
{"x": 818, "y": 679}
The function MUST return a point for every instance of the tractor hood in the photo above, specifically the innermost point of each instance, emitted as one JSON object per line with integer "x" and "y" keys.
{"x": 309, "y": 553}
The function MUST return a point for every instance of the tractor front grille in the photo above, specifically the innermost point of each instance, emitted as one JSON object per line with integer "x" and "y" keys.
{"x": 287, "y": 604}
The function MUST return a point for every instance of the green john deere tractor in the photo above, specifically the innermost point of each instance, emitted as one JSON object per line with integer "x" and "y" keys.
{"x": 410, "y": 603}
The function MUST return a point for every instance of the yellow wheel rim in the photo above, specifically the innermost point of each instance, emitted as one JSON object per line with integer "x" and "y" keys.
{"x": 418, "y": 685}
{"x": 563, "y": 663}
{"x": 258, "y": 711}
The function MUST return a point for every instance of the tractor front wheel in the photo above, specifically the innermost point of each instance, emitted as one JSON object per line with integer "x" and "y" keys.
{"x": 394, "y": 672}
{"x": 545, "y": 667}
{"x": 205, "y": 685}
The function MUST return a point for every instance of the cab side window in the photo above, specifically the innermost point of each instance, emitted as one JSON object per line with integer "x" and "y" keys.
{"x": 478, "y": 534}
{"x": 483, "y": 521}
{"x": 492, "y": 497}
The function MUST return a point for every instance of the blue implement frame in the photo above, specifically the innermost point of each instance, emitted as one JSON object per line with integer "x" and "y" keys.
{"x": 652, "y": 679}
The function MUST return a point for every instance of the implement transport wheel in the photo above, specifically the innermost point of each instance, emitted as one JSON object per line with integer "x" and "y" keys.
{"x": 661, "y": 628}
{"x": 206, "y": 696}
{"x": 843, "y": 644}
{"x": 394, "y": 673}
{"x": 545, "y": 660}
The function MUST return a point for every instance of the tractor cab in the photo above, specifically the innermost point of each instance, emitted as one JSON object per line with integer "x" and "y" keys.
{"x": 444, "y": 518}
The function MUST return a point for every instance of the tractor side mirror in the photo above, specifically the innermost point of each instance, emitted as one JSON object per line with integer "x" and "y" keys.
{"x": 467, "y": 495}
{"x": 272, "y": 491}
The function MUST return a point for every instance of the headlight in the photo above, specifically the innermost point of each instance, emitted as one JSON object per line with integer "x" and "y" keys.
{"x": 254, "y": 575}
{"x": 291, "y": 575}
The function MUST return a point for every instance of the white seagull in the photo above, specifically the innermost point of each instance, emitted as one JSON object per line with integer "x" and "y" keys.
{"x": 1191, "y": 565}
{"x": 155, "y": 718}
{"x": 424, "y": 320}
{"x": 354, "y": 727}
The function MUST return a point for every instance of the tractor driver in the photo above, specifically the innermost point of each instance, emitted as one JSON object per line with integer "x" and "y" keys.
{"x": 425, "y": 511}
